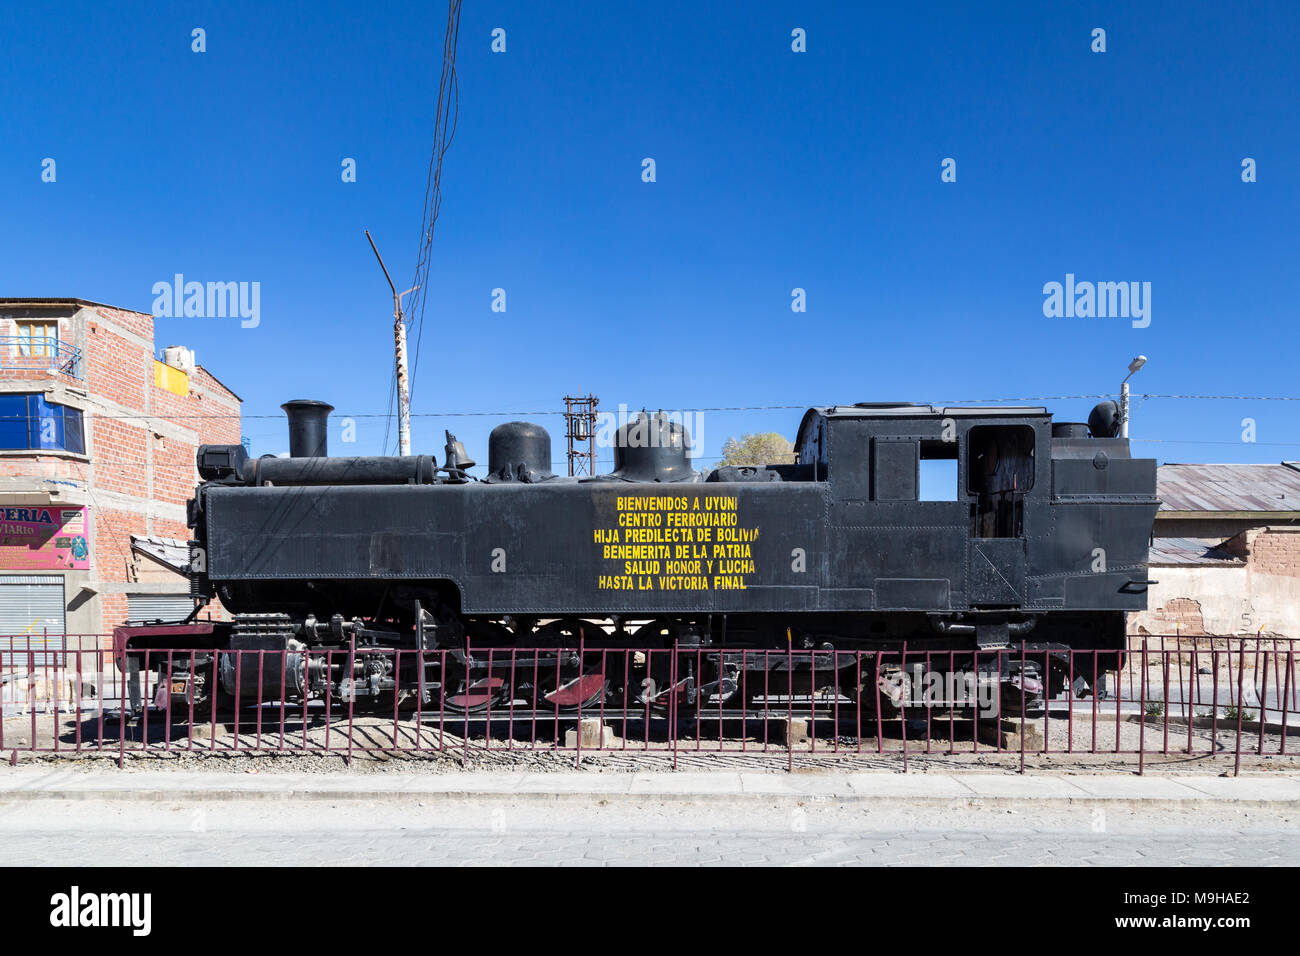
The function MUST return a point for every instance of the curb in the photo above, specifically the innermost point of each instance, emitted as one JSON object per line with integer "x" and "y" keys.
{"x": 1222, "y": 724}
{"x": 600, "y": 799}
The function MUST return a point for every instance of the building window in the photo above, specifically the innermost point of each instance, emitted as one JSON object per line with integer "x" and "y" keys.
{"x": 38, "y": 339}
{"x": 29, "y": 422}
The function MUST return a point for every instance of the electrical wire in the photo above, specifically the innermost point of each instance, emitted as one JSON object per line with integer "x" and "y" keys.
{"x": 444, "y": 131}
{"x": 708, "y": 408}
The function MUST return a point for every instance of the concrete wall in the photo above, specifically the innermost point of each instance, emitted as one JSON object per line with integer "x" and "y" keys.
{"x": 1210, "y": 526}
{"x": 1263, "y": 592}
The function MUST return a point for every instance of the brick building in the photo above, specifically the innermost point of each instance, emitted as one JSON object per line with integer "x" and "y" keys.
{"x": 1225, "y": 551}
{"x": 97, "y": 445}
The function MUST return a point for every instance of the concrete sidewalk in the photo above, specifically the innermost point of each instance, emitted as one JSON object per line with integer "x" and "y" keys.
{"x": 1037, "y": 791}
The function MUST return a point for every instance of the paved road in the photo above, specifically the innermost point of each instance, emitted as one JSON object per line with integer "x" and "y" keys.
{"x": 87, "y": 832}
{"x": 561, "y": 848}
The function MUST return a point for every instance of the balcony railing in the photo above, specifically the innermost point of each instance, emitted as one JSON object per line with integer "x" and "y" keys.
{"x": 34, "y": 353}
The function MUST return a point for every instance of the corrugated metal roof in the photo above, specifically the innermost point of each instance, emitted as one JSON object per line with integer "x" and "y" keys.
{"x": 1167, "y": 551}
{"x": 1256, "y": 488}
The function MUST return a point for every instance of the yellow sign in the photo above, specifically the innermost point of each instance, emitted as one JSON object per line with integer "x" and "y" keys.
{"x": 676, "y": 543}
{"x": 171, "y": 379}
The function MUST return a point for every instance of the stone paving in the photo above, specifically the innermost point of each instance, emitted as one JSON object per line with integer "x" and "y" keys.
{"x": 634, "y": 830}
{"x": 739, "y": 847}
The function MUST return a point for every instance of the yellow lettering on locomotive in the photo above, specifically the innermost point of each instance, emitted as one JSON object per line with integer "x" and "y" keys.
{"x": 677, "y": 543}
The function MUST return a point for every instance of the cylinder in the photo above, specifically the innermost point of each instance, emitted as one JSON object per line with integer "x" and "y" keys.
{"x": 240, "y": 672}
{"x": 370, "y": 470}
{"x": 517, "y": 447}
{"x": 308, "y": 427}
{"x": 652, "y": 448}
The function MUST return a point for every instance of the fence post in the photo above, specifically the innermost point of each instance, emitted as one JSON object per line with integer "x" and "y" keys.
{"x": 1241, "y": 702}
{"x": 1023, "y": 707}
{"x": 349, "y": 681}
{"x": 577, "y": 736}
{"x": 672, "y": 702}
{"x": 1286, "y": 697}
{"x": 469, "y": 684}
{"x": 76, "y": 720}
{"x": 903, "y": 697}
{"x": 1263, "y": 703}
{"x": 1142, "y": 712}
{"x": 121, "y": 710}
{"x": 789, "y": 701}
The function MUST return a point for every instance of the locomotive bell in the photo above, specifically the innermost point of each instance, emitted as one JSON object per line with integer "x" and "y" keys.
{"x": 458, "y": 459}
{"x": 308, "y": 427}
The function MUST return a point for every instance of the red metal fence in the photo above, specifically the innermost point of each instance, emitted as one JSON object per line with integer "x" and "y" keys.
{"x": 1168, "y": 699}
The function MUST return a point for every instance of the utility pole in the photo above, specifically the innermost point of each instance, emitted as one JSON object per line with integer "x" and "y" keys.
{"x": 399, "y": 338}
{"x": 1133, "y": 366}
{"x": 580, "y": 427}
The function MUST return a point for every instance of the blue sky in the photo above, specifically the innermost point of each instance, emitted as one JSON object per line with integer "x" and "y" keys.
{"x": 775, "y": 170}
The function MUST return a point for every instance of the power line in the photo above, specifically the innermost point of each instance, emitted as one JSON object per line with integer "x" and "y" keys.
{"x": 441, "y": 140}
{"x": 1142, "y": 395}
{"x": 1231, "y": 398}
{"x": 163, "y": 466}
{"x": 444, "y": 131}
{"x": 1206, "y": 441}
{"x": 702, "y": 408}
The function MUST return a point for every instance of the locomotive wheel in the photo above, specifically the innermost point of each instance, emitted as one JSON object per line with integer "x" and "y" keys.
{"x": 484, "y": 634}
{"x": 869, "y": 687}
{"x": 579, "y": 693}
{"x": 225, "y": 701}
{"x": 477, "y": 691}
{"x": 476, "y": 696}
{"x": 653, "y": 685}
{"x": 571, "y": 689}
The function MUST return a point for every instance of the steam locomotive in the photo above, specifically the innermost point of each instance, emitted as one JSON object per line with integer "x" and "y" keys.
{"x": 1040, "y": 543}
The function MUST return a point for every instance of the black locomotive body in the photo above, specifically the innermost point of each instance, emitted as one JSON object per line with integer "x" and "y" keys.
{"x": 1043, "y": 544}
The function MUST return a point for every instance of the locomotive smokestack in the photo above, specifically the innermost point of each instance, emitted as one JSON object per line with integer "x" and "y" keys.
{"x": 308, "y": 430}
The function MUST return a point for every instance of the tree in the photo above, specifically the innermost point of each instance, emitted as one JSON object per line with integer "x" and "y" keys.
{"x": 758, "y": 448}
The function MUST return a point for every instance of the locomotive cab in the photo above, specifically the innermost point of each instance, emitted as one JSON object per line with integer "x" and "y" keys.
{"x": 1042, "y": 519}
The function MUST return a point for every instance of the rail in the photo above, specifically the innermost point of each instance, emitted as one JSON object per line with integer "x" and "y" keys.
{"x": 1168, "y": 700}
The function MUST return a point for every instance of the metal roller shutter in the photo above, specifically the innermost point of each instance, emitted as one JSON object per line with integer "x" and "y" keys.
{"x": 142, "y": 608}
{"x": 31, "y": 615}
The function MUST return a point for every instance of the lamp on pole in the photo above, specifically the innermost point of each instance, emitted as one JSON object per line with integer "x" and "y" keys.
{"x": 1133, "y": 366}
